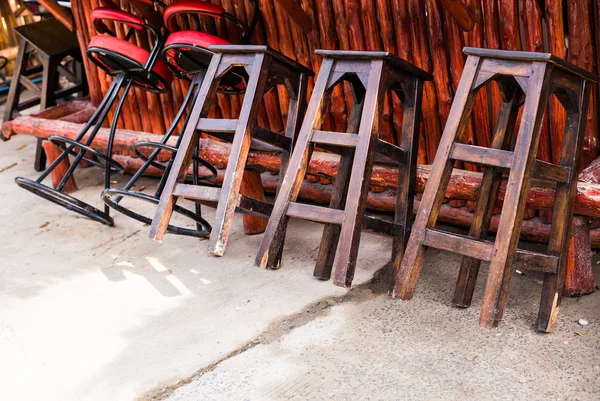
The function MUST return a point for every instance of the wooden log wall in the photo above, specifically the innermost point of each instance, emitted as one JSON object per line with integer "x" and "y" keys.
{"x": 427, "y": 33}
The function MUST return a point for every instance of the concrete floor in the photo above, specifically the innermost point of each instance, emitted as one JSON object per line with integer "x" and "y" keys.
{"x": 97, "y": 313}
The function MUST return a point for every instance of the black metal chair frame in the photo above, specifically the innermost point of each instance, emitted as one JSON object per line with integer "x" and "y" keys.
{"x": 123, "y": 79}
{"x": 113, "y": 197}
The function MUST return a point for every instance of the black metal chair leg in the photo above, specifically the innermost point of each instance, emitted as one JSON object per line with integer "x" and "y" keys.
{"x": 70, "y": 145}
{"x": 111, "y": 138}
{"x": 113, "y": 197}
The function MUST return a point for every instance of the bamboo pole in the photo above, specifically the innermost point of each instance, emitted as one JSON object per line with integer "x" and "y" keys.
{"x": 422, "y": 59}
{"x": 581, "y": 53}
{"x": 556, "y": 45}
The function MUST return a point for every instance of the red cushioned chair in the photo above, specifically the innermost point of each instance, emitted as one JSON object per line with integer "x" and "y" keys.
{"x": 186, "y": 54}
{"x": 130, "y": 66}
{"x": 186, "y": 51}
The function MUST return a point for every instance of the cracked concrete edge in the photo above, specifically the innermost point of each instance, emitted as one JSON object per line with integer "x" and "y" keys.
{"x": 277, "y": 329}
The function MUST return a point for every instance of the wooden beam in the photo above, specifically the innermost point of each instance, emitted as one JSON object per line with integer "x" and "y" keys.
{"x": 297, "y": 14}
{"x": 59, "y": 12}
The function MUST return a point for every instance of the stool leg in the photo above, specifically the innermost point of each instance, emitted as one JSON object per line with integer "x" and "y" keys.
{"x": 515, "y": 199}
{"x": 95, "y": 122}
{"x": 407, "y": 173}
{"x": 294, "y": 121}
{"x": 49, "y": 86}
{"x": 190, "y": 136}
{"x": 331, "y": 232}
{"x": 460, "y": 114}
{"x": 196, "y": 82}
{"x": 295, "y": 116}
{"x": 486, "y": 199}
{"x": 272, "y": 242}
{"x": 552, "y": 290}
{"x": 239, "y": 154}
{"x": 14, "y": 93}
{"x": 358, "y": 188}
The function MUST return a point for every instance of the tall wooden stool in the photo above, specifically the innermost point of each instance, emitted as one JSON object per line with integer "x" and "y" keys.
{"x": 370, "y": 75}
{"x": 52, "y": 42}
{"x": 524, "y": 79}
{"x": 263, "y": 68}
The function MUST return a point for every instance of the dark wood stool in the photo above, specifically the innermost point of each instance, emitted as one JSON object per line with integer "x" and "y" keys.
{"x": 370, "y": 75}
{"x": 524, "y": 79}
{"x": 52, "y": 43}
{"x": 265, "y": 68}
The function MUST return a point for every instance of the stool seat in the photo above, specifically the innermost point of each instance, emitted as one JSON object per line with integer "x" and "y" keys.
{"x": 49, "y": 37}
{"x": 116, "y": 55}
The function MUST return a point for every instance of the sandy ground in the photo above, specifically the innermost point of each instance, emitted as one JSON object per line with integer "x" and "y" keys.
{"x": 97, "y": 313}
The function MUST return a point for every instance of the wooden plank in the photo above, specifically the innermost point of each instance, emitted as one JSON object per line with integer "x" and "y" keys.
{"x": 197, "y": 192}
{"x": 527, "y": 260}
{"x": 481, "y": 156}
{"x": 552, "y": 172}
{"x": 315, "y": 213}
{"x": 381, "y": 227}
{"x": 334, "y": 138}
{"x": 460, "y": 244}
{"x": 392, "y": 152}
{"x": 272, "y": 138}
{"x": 217, "y": 125}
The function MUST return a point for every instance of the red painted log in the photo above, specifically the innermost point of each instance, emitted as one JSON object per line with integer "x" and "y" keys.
{"x": 52, "y": 152}
{"x": 579, "y": 279}
{"x": 463, "y": 184}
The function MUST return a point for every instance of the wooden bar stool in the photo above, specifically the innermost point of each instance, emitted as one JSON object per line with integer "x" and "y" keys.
{"x": 370, "y": 75}
{"x": 262, "y": 68}
{"x": 526, "y": 79}
{"x": 52, "y": 43}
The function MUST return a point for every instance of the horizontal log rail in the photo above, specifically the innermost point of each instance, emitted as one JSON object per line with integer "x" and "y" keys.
{"x": 464, "y": 185}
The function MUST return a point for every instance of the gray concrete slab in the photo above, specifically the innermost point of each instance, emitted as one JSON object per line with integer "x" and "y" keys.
{"x": 366, "y": 346}
{"x": 90, "y": 312}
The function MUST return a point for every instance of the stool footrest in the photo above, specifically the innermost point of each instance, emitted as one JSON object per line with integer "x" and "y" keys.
{"x": 392, "y": 152}
{"x": 217, "y": 125}
{"x": 272, "y": 138}
{"x": 210, "y": 196}
{"x": 381, "y": 227}
{"x": 535, "y": 261}
{"x": 197, "y": 192}
{"x": 503, "y": 159}
{"x": 551, "y": 172}
{"x": 457, "y": 243}
{"x": 482, "y": 250}
{"x": 334, "y": 138}
{"x": 315, "y": 213}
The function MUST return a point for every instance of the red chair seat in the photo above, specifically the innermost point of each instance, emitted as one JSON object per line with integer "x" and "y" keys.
{"x": 186, "y": 53}
{"x": 182, "y": 42}
{"x": 115, "y": 55}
